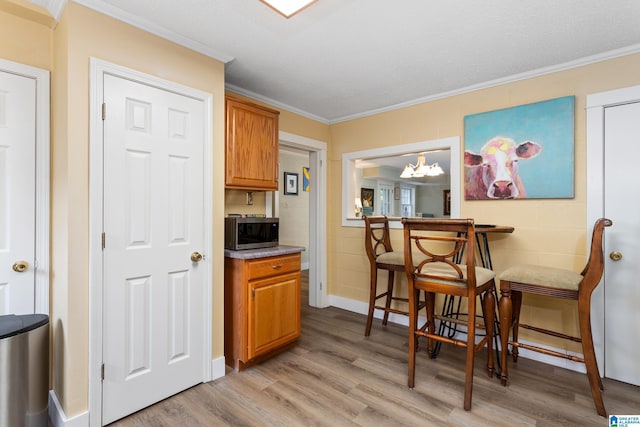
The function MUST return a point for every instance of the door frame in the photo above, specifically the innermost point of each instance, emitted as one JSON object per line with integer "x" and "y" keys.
{"x": 596, "y": 103}
{"x": 317, "y": 213}
{"x": 42, "y": 169}
{"x": 98, "y": 69}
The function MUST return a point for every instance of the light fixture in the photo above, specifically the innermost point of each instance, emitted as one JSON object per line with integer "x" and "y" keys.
{"x": 421, "y": 169}
{"x": 287, "y": 8}
{"x": 358, "y": 204}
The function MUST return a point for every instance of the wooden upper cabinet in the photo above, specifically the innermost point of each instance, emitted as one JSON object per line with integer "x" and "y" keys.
{"x": 252, "y": 146}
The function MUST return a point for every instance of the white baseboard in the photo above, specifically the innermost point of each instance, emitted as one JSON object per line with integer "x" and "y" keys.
{"x": 217, "y": 368}
{"x": 363, "y": 307}
{"x": 58, "y": 417}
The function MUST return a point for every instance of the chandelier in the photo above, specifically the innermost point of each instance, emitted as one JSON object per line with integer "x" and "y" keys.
{"x": 421, "y": 169}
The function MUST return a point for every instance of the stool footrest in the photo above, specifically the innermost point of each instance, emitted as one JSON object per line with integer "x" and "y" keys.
{"x": 552, "y": 333}
{"x": 457, "y": 321}
{"x": 547, "y": 351}
{"x": 457, "y": 343}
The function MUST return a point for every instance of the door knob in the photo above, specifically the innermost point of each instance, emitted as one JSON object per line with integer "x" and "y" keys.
{"x": 20, "y": 266}
{"x": 615, "y": 255}
{"x": 196, "y": 257}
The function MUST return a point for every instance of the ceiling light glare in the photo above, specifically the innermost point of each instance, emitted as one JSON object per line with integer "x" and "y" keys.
{"x": 288, "y": 8}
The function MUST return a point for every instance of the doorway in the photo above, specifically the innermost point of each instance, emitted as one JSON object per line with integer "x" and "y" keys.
{"x": 24, "y": 189}
{"x": 150, "y": 240}
{"x": 317, "y": 213}
{"x": 613, "y": 126}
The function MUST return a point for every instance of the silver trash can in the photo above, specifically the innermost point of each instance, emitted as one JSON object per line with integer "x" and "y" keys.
{"x": 24, "y": 370}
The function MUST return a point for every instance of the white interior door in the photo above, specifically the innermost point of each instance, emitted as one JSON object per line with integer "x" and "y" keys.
{"x": 17, "y": 193}
{"x": 622, "y": 278}
{"x": 153, "y": 327}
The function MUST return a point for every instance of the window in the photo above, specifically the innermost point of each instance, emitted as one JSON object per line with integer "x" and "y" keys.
{"x": 386, "y": 199}
{"x": 369, "y": 169}
{"x": 407, "y": 200}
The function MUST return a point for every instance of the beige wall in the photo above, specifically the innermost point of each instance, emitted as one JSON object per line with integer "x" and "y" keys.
{"x": 30, "y": 41}
{"x": 551, "y": 232}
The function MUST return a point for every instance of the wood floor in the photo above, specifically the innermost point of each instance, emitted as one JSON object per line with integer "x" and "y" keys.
{"x": 335, "y": 376}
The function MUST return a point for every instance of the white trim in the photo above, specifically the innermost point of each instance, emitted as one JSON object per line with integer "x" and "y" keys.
{"x": 593, "y": 59}
{"x": 596, "y": 103}
{"x": 605, "y": 56}
{"x": 217, "y": 368}
{"x": 278, "y": 104}
{"x": 317, "y": 214}
{"x": 43, "y": 155}
{"x": 59, "y": 418}
{"x": 146, "y": 25}
{"x": 98, "y": 69}
{"x": 348, "y": 170}
{"x": 54, "y": 7}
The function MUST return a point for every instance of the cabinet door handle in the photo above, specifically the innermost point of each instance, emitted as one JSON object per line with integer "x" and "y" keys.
{"x": 276, "y": 267}
{"x": 253, "y": 293}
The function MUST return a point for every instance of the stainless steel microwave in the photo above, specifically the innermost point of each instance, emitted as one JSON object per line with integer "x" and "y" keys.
{"x": 250, "y": 233}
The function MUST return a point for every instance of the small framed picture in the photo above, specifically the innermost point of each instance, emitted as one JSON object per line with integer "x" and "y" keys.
{"x": 446, "y": 196}
{"x": 291, "y": 183}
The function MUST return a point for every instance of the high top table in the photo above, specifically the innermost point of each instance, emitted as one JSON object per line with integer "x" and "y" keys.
{"x": 451, "y": 305}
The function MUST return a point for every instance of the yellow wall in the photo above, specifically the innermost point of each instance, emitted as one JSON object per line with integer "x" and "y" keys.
{"x": 550, "y": 232}
{"x": 30, "y": 42}
{"x": 80, "y": 35}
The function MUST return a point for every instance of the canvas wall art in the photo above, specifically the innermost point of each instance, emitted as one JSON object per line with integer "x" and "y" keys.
{"x": 521, "y": 152}
{"x": 306, "y": 178}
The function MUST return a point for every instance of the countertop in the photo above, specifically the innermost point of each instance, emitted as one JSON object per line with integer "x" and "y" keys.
{"x": 263, "y": 252}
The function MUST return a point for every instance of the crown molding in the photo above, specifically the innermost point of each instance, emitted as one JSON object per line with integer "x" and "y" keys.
{"x": 155, "y": 29}
{"x": 54, "y": 7}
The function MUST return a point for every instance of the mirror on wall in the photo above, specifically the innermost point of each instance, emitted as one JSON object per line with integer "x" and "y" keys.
{"x": 411, "y": 180}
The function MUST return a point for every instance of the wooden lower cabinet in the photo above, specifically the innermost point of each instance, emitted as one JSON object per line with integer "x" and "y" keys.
{"x": 262, "y": 307}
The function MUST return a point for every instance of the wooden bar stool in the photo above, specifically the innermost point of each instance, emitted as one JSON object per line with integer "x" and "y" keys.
{"x": 382, "y": 256}
{"x": 559, "y": 283}
{"x": 434, "y": 264}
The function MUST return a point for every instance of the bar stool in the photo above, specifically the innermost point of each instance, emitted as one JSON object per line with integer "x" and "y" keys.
{"x": 442, "y": 271}
{"x": 559, "y": 283}
{"x": 382, "y": 257}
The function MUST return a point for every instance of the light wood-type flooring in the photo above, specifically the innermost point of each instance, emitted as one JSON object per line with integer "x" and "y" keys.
{"x": 334, "y": 376}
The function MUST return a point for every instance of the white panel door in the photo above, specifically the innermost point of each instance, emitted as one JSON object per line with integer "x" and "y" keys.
{"x": 153, "y": 222}
{"x": 17, "y": 193}
{"x": 622, "y": 278}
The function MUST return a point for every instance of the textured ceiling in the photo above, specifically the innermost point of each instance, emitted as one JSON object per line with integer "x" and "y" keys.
{"x": 341, "y": 59}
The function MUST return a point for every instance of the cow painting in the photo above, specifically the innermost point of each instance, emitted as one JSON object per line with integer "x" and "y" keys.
{"x": 493, "y": 174}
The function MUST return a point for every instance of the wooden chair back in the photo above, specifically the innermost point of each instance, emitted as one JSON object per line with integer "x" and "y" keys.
{"x": 431, "y": 247}
{"x": 594, "y": 269}
{"x": 377, "y": 238}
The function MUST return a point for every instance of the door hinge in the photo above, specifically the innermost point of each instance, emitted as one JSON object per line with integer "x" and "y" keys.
{"x": 104, "y": 111}
{"x": 104, "y": 240}
{"x": 102, "y": 372}
{"x": 320, "y": 285}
